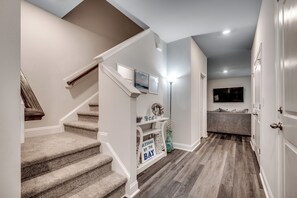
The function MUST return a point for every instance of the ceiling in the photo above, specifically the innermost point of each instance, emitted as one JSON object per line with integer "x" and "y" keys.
{"x": 204, "y": 20}
{"x": 57, "y": 7}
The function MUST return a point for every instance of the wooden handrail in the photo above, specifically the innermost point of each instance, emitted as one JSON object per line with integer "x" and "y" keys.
{"x": 71, "y": 80}
{"x": 33, "y": 110}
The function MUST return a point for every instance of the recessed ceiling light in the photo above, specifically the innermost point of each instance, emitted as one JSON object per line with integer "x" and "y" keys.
{"x": 225, "y": 71}
{"x": 225, "y": 32}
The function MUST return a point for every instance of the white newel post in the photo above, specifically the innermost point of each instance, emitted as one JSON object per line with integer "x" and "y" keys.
{"x": 117, "y": 119}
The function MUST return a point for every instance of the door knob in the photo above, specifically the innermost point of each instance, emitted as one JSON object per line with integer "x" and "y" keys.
{"x": 277, "y": 126}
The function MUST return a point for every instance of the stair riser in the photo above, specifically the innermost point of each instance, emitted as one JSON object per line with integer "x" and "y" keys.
{"x": 119, "y": 192}
{"x": 88, "y": 118}
{"x": 54, "y": 164}
{"x": 83, "y": 132}
{"x": 74, "y": 183}
{"x": 94, "y": 108}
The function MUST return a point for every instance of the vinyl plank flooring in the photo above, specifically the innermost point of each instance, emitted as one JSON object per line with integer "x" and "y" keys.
{"x": 222, "y": 166}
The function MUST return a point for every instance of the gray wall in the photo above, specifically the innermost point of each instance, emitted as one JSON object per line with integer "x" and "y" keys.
{"x": 10, "y": 135}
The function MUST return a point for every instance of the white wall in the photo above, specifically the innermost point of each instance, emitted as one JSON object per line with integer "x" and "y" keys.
{"x": 179, "y": 66}
{"x": 198, "y": 67}
{"x": 230, "y": 82}
{"x": 144, "y": 56}
{"x": 10, "y": 123}
{"x": 185, "y": 62}
{"x": 265, "y": 34}
{"x": 52, "y": 49}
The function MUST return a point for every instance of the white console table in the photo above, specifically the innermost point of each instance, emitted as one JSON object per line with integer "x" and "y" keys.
{"x": 145, "y": 132}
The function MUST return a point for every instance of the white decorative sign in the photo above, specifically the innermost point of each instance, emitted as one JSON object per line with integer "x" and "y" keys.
{"x": 148, "y": 150}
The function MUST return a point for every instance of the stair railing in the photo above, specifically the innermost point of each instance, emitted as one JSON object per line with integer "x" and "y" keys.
{"x": 75, "y": 77}
{"x": 33, "y": 110}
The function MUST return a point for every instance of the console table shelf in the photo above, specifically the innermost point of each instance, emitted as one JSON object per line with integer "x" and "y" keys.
{"x": 152, "y": 130}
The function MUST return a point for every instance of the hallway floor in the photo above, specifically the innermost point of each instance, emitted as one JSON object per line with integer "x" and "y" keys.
{"x": 222, "y": 166}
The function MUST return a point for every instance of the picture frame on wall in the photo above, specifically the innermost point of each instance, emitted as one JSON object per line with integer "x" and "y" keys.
{"x": 126, "y": 72}
{"x": 141, "y": 81}
{"x": 153, "y": 85}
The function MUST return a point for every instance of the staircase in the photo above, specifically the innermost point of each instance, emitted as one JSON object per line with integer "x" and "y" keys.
{"x": 70, "y": 164}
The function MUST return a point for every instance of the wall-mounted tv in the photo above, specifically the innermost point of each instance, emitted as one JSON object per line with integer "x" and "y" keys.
{"x": 233, "y": 94}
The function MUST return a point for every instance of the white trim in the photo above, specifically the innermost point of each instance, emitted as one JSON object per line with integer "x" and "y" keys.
{"x": 134, "y": 194}
{"x": 117, "y": 164}
{"x": 267, "y": 189}
{"x": 22, "y": 117}
{"x": 105, "y": 55}
{"x": 32, "y": 132}
{"x": 129, "y": 89}
{"x": 78, "y": 73}
{"x": 187, "y": 147}
{"x": 106, "y": 148}
{"x": 72, "y": 115}
{"x": 134, "y": 189}
{"x": 252, "y": 145}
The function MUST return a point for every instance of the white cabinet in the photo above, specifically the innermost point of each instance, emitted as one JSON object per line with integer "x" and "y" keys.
{"x": 144, "y": 129}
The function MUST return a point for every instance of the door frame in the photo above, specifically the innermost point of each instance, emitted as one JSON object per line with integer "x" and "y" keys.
{"x": 203, "y": 105}
{"x": 255, "y": 62}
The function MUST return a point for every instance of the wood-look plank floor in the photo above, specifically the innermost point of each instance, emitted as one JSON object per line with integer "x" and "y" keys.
{"x": 223, "y": 166}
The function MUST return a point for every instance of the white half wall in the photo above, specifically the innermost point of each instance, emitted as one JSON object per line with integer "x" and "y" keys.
{"x": 10, "y": 115}
{"x": 230, "y": 82}
{"x": 265, "y": 34}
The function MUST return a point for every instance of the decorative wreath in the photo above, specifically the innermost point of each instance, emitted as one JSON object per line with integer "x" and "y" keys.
{"x": 157, "y": 109}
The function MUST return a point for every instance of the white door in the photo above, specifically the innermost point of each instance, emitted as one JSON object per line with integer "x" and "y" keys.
{"x": 257, "y": 103}
{"x": 288, "y": 97}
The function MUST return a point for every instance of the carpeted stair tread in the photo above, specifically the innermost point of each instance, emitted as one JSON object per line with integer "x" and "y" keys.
{"x": 55, "y": 178}
{"x": 103, "y": 187}
{"x": 90, "y": 126}
{"x": 89, "y": 113}
{"x": 47, "y": 147}
{"x": 93, "y": 104}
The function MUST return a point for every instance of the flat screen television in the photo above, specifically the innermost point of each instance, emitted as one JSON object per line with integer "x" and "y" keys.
{"x": 232, "y": 94}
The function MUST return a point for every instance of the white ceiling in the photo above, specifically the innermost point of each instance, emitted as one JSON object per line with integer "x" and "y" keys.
{"x": 177, "y": 19}
{"x": 204, "y": 20}
{"x": 57, "y": 7}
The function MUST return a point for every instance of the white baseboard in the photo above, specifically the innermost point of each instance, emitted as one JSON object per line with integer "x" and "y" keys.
{"x": 117, "y": 164}
{"x": 133, "y": 189}
{"x": 267, "y": 189}
{"x": 106, "y": 148}
{"x": 187, "y": 147}
{"x": 252, "y": 144}
{"x": 32, "y": 132}
{"x": 72, "y": 115}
